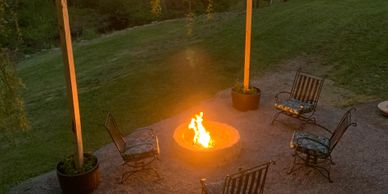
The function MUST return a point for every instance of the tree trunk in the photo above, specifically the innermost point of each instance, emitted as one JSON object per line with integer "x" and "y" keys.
{"x": 164, "y": 6}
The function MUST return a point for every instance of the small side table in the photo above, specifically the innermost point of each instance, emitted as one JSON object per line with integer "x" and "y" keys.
{"x": 383, "y": 106}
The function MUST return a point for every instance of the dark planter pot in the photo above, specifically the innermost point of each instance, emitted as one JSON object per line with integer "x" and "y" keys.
{"x": 85, "y": 182}
{"x": 245, "y": 102}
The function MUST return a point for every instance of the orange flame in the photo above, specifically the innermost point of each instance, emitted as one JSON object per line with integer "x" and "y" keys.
{"x": 202, "y": 136}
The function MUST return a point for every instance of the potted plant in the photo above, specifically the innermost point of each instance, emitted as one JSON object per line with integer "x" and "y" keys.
{"x": 246, "y": 97}
{"x": 83, "y": 180}
{"x": 77, "y": 173}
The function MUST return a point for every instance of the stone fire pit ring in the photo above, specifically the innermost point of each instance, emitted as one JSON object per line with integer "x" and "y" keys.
{"x": 226, "y": 144}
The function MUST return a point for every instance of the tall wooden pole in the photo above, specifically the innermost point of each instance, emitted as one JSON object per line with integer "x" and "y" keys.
{"x": 71, "y": 81}
{"x": 248, "y": 29}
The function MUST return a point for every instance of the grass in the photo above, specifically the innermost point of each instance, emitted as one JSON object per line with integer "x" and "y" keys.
{"x": 149, "y": 73}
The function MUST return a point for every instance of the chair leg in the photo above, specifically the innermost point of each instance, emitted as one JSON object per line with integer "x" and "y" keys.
{"x": 155, "y": 172}
{"x": 276, "y": 115}
{"x": 324, "y": 172}
{"x": 138, "y": 166}
{"x": 312, "y": 162}
{"x": 331, "y": 161}
{"x": 293, "y": 169}
{"x": 202, "y": 181}
{"x": 309, "y": 120}
{"x": 126, "y": 175}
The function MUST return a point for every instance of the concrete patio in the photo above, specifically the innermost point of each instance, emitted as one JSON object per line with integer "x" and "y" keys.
{"x": 361, "y": 156}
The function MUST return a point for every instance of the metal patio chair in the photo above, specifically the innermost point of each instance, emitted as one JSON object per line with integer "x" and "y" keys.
{"x": 314, "y": 150}
{"x": 138, "y": 151}
{"x": 250, "y": 181}
{"x": 301, "y": 101}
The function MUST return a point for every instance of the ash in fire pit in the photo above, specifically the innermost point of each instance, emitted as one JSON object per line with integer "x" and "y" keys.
{"x": 206, "y": 142}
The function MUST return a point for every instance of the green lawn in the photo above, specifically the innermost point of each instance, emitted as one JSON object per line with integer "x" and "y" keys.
{"x": 149, "y": 73}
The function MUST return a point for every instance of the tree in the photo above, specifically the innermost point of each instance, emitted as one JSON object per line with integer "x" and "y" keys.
{"x": 12, "y": 112}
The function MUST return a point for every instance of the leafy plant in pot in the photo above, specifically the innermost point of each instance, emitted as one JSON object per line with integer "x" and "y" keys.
{"x": 77, "y": 173}
{"x": 82, "y": 180}
{"x": 246, "y": 97}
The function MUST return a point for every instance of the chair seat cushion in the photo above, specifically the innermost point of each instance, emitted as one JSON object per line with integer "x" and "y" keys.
{"x": 308, "y": 143}
{"x": 141, "y": 144}
{"x": 140, "y": 136}
{"x": 214, "y": 187}
{"x": 293, "y": 106}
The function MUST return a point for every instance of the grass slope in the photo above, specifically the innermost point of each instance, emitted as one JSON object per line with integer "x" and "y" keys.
{"x": 148, "y": 73}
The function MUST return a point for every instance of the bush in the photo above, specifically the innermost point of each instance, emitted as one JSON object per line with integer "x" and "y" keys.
{"x": 85, "y": 22}
{"x": 38, "y": 22}
{"x": 67, "y": 166}
{"x": 12, "y": 113}
{"x": 124, "y": 13}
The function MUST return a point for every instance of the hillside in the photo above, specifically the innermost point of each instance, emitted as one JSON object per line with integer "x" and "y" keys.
{"x": 148, "y": 73}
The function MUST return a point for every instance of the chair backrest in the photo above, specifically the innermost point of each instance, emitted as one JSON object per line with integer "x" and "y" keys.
{"x": 250, "y": 181}
{"x": 111, "y": 126}
{"x": 307, "y": 88}
{"x": 343, "y": 125}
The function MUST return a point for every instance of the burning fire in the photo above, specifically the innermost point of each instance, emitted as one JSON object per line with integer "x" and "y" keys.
{"x": 202, "y": 136}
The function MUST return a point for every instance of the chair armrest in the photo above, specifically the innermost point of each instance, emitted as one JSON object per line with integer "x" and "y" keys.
{"x": 314, "y": 140}
{"x": 278, "y": 95}
{"x": 322, "y": 127}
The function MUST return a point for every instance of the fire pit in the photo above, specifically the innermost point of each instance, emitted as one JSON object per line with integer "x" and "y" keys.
{"x": 206, "y": 142}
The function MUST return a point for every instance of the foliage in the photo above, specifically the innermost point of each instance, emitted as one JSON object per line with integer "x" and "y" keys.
{"x": 210, "y": 9}
{"x": 67, "y": 166}
{"x": 238, "y": 87}
{"x": 9, "y": 27}
{"x": 88, "y": 18}
{"x": 12, "y": 114}
{"x": 86, "y": 23}
{"x": 37, "y": 22}
{"x": 156, "y": 8}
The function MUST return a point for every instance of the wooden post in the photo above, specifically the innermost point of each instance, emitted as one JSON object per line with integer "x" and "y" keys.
{"x": 71, "y": 82}
{"x": 248, "y": 25}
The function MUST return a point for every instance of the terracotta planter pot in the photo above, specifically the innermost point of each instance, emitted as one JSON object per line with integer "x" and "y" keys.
{"x": 245, "y": 102}
{"x": 85, "y": 182}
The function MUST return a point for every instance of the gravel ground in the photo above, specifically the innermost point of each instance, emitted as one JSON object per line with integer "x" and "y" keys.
{"x": 361, "y": 157}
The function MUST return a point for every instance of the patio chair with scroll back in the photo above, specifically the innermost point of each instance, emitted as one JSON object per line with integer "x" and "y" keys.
{"x": 314, "y": 150}
{"x": 301, "y": 101}
{"x": 250, "y": 181}
{"x": 139, "y": 149}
